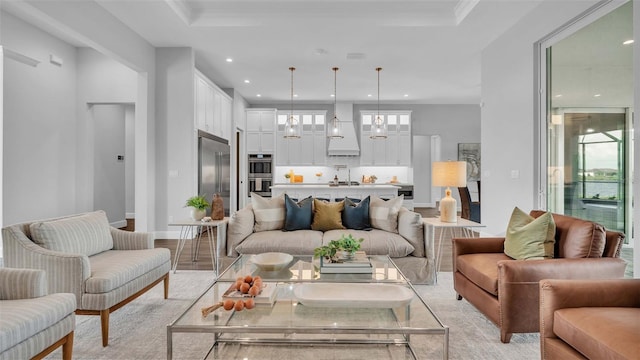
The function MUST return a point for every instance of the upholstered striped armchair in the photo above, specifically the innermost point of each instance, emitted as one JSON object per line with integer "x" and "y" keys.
{"x": 104, "y": 267}
{"x": 32, "y": 322}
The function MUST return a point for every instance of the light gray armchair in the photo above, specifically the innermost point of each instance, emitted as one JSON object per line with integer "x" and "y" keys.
{"x": 33, "y": 323}
{"x": 104, "y": 267}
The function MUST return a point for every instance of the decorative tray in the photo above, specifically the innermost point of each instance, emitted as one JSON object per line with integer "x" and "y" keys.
{"x": 353, "y": 295}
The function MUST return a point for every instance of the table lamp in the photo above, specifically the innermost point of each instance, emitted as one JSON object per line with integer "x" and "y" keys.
{"x": 449, "y": 173}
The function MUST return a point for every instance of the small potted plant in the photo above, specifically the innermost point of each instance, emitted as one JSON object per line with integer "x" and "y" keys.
{"x": 349, "y": 245}
{"x": 198, "y": 205}
{"x": 327, "y": 252}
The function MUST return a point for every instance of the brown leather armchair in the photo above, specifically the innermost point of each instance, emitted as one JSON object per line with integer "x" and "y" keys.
{"x": 506, "y": 290}
{"x": 597, "y": 319}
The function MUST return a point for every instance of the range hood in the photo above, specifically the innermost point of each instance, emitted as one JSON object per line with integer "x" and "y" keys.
{"x": 347, "y": 146}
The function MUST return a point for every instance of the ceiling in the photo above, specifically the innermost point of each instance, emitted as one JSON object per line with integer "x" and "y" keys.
{"x": 429, "y": 50}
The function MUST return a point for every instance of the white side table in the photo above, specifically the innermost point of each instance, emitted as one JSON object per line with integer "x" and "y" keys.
{"x": 432, "y": 224}
{"x": 192, "y": 230}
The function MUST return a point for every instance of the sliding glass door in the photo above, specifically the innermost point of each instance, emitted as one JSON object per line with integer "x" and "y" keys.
{"x": 589, "y": 107}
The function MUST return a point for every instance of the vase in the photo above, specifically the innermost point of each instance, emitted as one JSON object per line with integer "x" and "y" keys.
{"x": 197, "y": 214}
{"x": 347, "y": 254}
{"x": 217, "y": 207}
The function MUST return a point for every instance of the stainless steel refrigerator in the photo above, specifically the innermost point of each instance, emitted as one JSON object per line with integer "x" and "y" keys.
{"x": 214, "y": 173}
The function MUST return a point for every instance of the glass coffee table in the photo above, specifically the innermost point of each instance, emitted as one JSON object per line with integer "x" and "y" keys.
{"x": 291, "y": 321}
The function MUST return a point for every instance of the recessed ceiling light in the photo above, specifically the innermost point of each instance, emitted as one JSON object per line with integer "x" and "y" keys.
{"x": 406, "y": 95}
{"x": 628, "y": 42}
{"x": 295, "y": 95}
{"x": 259, "y": 95}
{"x": 559, "y": 95}
{"x": 229, "y": 60}
{"x": 369, "y": 95}
{"x": 247, "y": 81}
{"x": 597, "y": 95}
{"x": 332, "y": 95}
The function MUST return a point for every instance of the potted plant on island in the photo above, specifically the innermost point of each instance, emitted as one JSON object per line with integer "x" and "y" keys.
{"x": 198, "y": 205}
{"x": 347, "y": 245}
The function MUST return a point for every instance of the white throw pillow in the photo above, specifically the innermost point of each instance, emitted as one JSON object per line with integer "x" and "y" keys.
{"x": 384, "y": 214}
{"x": 269, "y": 213}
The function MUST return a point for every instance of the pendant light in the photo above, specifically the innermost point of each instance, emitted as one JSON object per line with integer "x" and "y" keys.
{"x": 379, "y": 128}
{"x": 335, "y": 132}
{"x": 292, "y": 128}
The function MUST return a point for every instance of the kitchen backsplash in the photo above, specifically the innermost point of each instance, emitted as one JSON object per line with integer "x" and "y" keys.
{"x": 384, "y": 174}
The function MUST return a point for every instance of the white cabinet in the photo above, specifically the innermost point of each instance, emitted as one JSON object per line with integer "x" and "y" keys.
{"x": 310, "y": 148}
{"x": 213, "y": 108}
{"x": 260, "y": 130}
{"x": 395, "y": 150}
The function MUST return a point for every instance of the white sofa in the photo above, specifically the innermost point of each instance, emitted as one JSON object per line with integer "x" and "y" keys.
{"x": 33, "y": 323}
{"x": 103, "y": 266}
{"x": 407, "y": 248}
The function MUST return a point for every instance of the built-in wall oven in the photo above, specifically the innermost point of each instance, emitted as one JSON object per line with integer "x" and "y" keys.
{"x": 407, "y": 191}
{"x": 260, "y": 174}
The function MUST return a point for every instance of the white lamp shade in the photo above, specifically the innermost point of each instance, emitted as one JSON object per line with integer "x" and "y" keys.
{"x": 449, "y": 173}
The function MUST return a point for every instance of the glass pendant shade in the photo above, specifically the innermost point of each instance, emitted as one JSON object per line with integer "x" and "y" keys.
{"x": 292, "y": 127}
{"x": 379, "y": 126}
{"x": 335, "y": 131}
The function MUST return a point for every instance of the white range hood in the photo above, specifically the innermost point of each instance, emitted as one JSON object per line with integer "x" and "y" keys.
{"x": 347, "y": 146}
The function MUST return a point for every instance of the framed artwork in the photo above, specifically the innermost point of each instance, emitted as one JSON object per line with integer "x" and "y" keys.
{"x": 470, "y": 152}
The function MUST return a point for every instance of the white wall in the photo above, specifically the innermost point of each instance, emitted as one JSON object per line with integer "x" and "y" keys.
{"x": 636, "y": 127}
{"x": 176, "y": 134}
{"x": 129, "y": 160}
{"x": 90, "y": 24}
{"x": 39, "y": 163}
{"x": 101, "y": 80}
{"x": 507, "y": 115}
{"x": 239, "y": 122}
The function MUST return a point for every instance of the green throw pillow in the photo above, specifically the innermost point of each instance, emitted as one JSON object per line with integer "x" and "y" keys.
{"x": 530, "y": 238}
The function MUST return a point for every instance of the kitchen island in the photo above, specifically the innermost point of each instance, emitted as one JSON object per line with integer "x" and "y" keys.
{"x": 331, "y": 193}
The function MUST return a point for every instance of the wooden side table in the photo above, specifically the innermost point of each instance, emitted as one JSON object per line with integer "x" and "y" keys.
{"x": 432, "y": 224}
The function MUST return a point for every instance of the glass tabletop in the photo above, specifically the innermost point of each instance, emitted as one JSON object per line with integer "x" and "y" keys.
{"x": 306, "y": 268}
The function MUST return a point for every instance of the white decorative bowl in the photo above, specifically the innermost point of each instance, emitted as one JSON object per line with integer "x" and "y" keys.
{"x": 272, "y": 261}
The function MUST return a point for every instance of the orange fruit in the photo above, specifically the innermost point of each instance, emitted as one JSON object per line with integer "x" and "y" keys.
{"x": 249, "y": 303}
{"x": 228, "y": 304}
{"x": 244, "y": 288}
{"x": 254, "y": 290}
{"x": 239, "y": 306}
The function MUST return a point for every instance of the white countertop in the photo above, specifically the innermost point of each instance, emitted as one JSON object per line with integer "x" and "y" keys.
{"x": 326, "y": 186}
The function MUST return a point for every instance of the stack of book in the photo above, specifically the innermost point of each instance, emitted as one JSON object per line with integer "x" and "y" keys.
{"x": 359, "y": 264}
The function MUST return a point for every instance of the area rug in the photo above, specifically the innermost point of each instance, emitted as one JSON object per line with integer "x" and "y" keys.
{"x": 138, "y": 331}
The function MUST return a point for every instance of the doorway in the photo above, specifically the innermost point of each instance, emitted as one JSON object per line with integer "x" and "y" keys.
{"x": 113, "y": 161}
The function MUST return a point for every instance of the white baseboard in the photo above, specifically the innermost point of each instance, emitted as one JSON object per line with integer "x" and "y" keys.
{"x": 119, "y": 224}
{"x": 171, "y": 235}
{"x": 130, "y": 215}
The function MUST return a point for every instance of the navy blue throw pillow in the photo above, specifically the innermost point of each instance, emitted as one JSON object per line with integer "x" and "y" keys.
{"x": 356, "y": 215}
{"x": 298, "y": 215}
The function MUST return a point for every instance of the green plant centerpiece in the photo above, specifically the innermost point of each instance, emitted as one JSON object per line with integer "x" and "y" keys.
{"x": 199, "y": 205}
{"x": 347, "y": 245}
